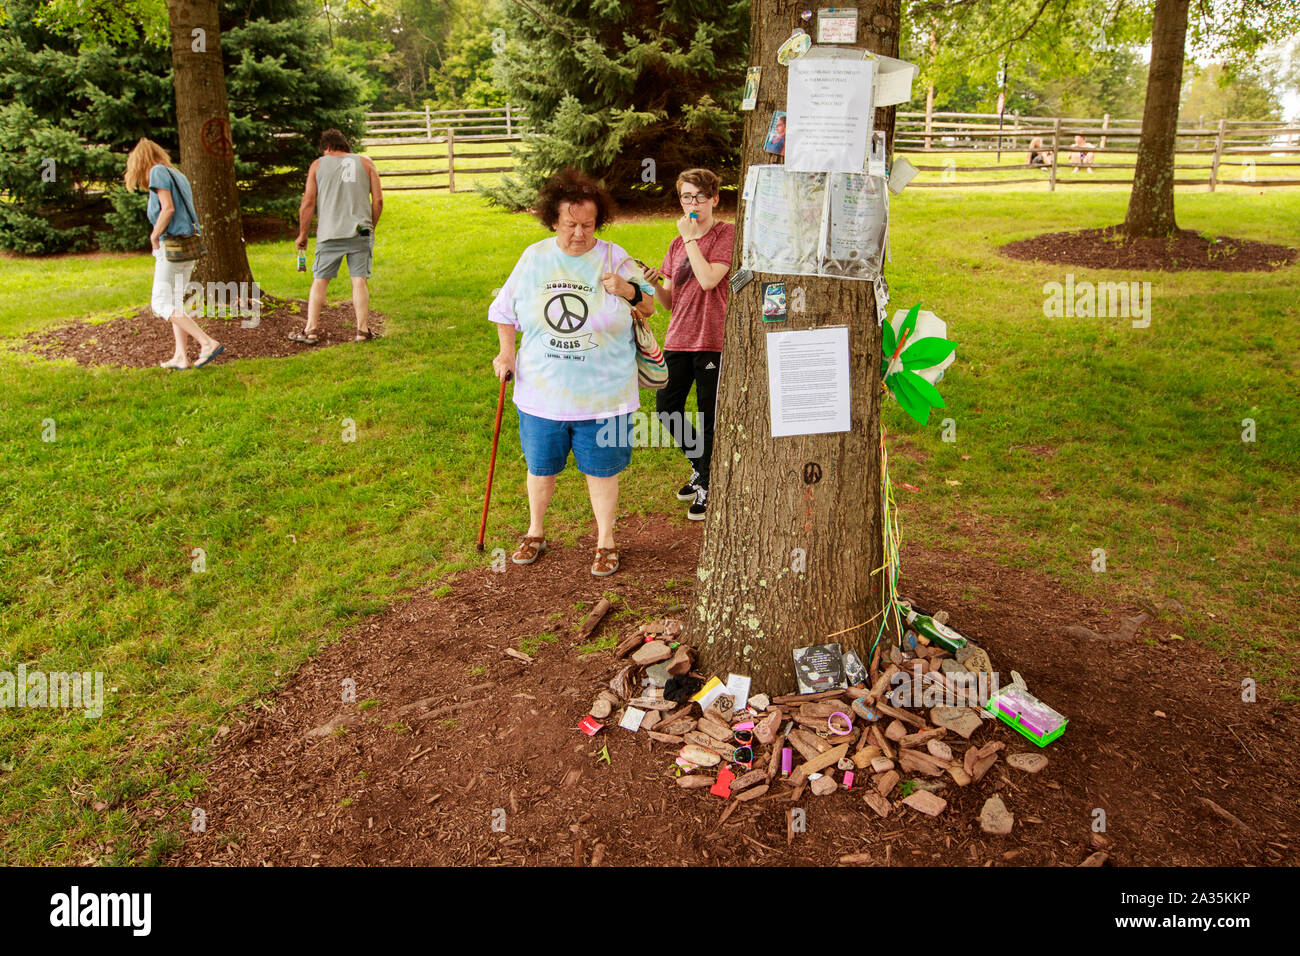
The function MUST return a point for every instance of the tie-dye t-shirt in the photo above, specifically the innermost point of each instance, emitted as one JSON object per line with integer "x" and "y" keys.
{"x": 577, "y": 358}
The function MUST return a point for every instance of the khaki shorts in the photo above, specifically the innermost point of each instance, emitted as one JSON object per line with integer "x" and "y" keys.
{"x": 359, "y": 251}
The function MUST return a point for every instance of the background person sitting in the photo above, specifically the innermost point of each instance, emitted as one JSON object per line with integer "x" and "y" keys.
{"x": 1079, "y": 157}
{"x": 1039, "y": 157}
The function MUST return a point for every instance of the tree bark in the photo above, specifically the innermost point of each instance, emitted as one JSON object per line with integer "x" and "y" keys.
{"x": 207, "y": 150}
{"x": 751, "y": 605}
{"x": 1151, "y": 203}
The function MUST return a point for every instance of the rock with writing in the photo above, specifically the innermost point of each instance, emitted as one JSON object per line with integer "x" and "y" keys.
{"x": 767, "y": 728}
{"x": 939, "y": 749}
{"x": 995, "y": 818}
{"x": 962, "y": 721}
{"x": 1030, "y": 762}
{"x": 699, "y": 756}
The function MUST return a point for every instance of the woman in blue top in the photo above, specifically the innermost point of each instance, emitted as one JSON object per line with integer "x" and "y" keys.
{"x": 171, "y": 204}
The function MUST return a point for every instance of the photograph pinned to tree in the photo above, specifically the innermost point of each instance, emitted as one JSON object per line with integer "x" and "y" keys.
{"x": 775, "y": 141}
{"x": 752, "y": 77}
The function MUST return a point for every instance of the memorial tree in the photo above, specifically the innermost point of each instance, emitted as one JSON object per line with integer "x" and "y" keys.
{"x": 793, "y": 546}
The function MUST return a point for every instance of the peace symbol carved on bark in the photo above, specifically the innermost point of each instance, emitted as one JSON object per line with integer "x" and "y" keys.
{"x": 216, "y": 139}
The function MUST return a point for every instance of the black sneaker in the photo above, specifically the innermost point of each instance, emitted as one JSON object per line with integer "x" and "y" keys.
{"x": 687, "y": 491}
{"x": 697, "y": 509}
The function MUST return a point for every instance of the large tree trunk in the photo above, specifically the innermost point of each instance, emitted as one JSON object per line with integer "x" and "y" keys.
{"x": 1151, "y": 204}
{"x": 752, "y": 606}
{"x": 207, "y": 151}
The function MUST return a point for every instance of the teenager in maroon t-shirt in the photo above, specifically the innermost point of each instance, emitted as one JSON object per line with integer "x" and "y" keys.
{"x": 693, "y": 285}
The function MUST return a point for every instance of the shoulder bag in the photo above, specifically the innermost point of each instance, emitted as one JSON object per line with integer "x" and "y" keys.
{"x": 184, "y": 248}
{"x": 651, "y": 367}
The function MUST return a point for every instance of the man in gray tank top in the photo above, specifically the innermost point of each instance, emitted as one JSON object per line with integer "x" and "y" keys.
{"x": 343, "y": 189}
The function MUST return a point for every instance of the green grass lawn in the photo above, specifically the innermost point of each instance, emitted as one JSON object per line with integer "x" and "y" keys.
{"x": 1137, "y": 434}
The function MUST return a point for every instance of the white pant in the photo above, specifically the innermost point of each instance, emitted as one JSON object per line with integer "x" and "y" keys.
{"x": 169, "y": 281}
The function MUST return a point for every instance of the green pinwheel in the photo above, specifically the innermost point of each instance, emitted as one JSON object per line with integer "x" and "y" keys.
{"x": 915, "y": 357}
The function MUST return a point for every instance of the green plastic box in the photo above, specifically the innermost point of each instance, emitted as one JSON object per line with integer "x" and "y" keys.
{"x": 1020, "y": 709}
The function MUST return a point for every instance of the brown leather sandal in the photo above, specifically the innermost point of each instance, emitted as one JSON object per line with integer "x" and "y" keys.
{"x": 529, "y": 550}
{"x": 606, "y": 562}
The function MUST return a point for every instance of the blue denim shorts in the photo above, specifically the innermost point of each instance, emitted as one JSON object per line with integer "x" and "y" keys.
{"x": 602, "y": 447}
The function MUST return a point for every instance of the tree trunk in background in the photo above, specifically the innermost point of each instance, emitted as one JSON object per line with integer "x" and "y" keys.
{"x": 751, "y": 608}
{"x": 207, "y": 151}
{"x": 1151, "y": 203}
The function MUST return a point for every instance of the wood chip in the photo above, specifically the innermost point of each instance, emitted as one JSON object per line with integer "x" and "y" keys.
{"x": 806, "y": 698}
{"x": 593, "y": 620}
{"x": 822, "y": 761}
{"x": 629, "y": 644}
{"x": 694, "y": 781}
{"x": 665, "y": 738}
{"x": 926, "y": 802}
{"x": 877, "y": 803}
{"x": 748, "y": 780}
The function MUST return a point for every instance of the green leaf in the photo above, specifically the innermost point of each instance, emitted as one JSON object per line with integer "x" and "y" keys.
{"x": 928, "y": 392}
{"x": 909, "y": 397}
{"x": 909, "y": 324}
{"x": 890, "y": 339}
{"x": 927, "y": 353}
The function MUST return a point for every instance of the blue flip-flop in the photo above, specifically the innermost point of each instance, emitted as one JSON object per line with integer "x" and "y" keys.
{"x": 215, "y": 352}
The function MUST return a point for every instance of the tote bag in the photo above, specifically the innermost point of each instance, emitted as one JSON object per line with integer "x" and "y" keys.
{"x": 651, "y": 367}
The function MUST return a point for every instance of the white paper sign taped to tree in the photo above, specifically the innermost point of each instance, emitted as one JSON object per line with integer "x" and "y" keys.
{"x": 808, "y": 381}
{"x": 828, "y": 111}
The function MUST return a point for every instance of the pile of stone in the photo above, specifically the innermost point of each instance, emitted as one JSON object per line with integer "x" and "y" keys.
{"x": 896, "y": 741}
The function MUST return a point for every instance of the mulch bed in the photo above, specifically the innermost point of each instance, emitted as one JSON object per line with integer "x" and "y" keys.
{"x": 142, "y": 340}
{"x": 1108, "y": 249}
{"x": 497, "y": 739}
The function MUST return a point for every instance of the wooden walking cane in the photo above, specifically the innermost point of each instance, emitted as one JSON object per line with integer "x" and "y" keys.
{"x": 492, "y": 464}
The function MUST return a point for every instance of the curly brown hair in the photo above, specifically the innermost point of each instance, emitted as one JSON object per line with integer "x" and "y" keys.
{"x": 573, "y": 186}
{"x": 706, "y": 181}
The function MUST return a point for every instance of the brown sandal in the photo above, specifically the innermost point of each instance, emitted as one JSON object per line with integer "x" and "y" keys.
{"x": 606, "y": 562}
{"x": 529, "y": 550}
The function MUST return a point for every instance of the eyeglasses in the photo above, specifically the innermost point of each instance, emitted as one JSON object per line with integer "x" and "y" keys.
{"x": 694, "y": 199}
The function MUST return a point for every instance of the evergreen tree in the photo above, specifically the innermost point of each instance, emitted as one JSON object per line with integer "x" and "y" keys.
{"x": 631, "y": 91}
{"x": 83, "y": 106}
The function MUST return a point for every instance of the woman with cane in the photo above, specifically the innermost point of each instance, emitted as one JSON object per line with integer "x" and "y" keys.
{"x": 575, "y": 368}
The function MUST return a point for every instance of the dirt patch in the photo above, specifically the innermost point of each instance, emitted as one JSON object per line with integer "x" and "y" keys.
{"x": 503, "y": 745}
{"x": 142, "y": 340}
{"x": 1108, "y": 249}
